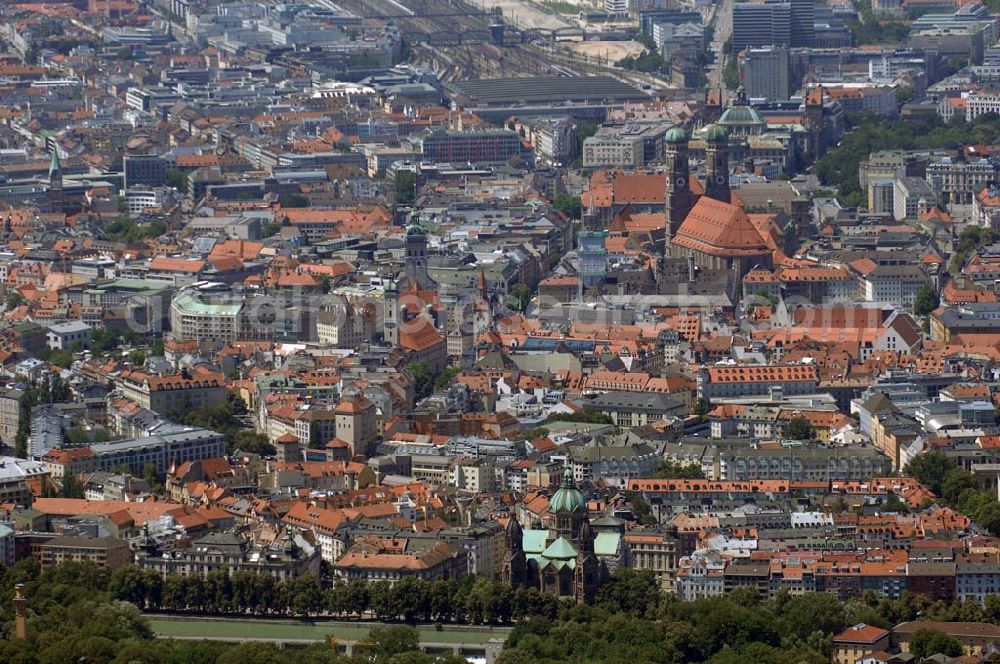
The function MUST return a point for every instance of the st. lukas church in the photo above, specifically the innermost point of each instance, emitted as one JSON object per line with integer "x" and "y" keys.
{"x": 712, "y": 230}
{"x": 559, "y": 560}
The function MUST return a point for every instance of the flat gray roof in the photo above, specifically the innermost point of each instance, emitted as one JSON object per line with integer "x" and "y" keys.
{"x": 194, "y": 434}
{"x": 70, "y": 326}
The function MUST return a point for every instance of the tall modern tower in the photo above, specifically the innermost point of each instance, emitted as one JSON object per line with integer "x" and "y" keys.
{"x": 756, "y": 24}
{"x": 803, "y": 23}
{"x": 774, "y": 22}
{"x": 765, "y": 72}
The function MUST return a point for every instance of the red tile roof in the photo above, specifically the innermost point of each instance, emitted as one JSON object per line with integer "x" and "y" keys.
{"x": 720, "y": 229}
{"x": 757, "y": 374}
{"x": 422, "y": 338}
{"x": 356, "y": 405}
{"x": 168, "y": 264}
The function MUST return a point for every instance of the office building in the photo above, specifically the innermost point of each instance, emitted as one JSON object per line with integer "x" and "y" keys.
{"x": 958, "y": 181}
{"x": 78, "y": 461}
{"x": 760, "y": 24}
{"x": 10, "y": 415}
{"x": 108, "y": 552}
{"x": 145, "y": 171}
{"x": 787, "y": 23}
{"x": 6, "y": 546}
{"x": 648, "y": 18}
{"x": 16, "y": 478}
{"x": 357, "y": 424}
{"x": 141, "y": 199}
{"x": 671, "y": 38}
{"x": 283, "y": 560}
{"x": 493, "y": 147}
{"x": 555, "y": 140}
{"x": 803, "y": 23}
{"x": 630, "y": 146}
{"x": 186, "y": 390}
{"x": 194, "y": 314}
{"x": 736, "y": 381}
{"x": 374, "y": 559}
{"x": 765, "y": 73}
{"x": 911, "y": 197}
{"x": 65, "y": 336}
{"x": 981, "y": 103}
{"x": 175, "y": 444}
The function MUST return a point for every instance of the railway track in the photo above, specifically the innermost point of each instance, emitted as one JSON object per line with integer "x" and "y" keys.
{"x": 452, "y": 37}
{"x": 425, "y": 17}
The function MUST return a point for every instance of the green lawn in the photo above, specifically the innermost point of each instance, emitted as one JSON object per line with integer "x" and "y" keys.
{"x": 320, "y": 631}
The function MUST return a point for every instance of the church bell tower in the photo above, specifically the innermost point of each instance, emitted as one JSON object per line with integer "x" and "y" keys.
{"x": 678, "y": 189}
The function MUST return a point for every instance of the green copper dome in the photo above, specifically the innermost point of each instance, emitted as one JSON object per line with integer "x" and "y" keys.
{"x": 740, "y": 112}
{"x": 714, "y": 132}
{"x": 567, "y": 498}
{"x": 676, "y": 135}
{"x": 416, "y": 229}
{"x": 741, "y": 115}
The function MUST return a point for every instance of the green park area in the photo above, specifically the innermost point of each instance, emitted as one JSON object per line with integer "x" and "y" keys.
{"x": 312, "y": 631}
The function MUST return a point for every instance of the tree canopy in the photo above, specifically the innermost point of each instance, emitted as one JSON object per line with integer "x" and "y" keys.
{"x": 839, "y": 167}
{"x": 869, "y": 29}
{"x": 423, "y": 379}
{"x": 799, "y": 428}
{"x": 568, "y": 205}
{"x": 406, "y": 187}
{"x": 671, "y": 470}
{"x": 293, "y": 201}
{"x": 587, "y": 415}
{"x": 80, "y": 610}
{"x": 956, "y": 488}
{"x": 649, "y": 62}
{"x": 926, "y": 300}
{"x": 969, "y": 240}
{"x": 520, "y": 297}
{"x": 929, "y": 469}
{"x": 224, "y": 418}
{"x": 927, "y": 642}
{"x": 124, "y": 229}
{"x": 178, "y": 180}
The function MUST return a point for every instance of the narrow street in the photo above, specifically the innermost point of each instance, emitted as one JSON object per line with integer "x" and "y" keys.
{"x": 723, "y": 30}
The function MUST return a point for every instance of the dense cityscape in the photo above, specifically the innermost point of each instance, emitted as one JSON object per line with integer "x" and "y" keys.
{"x": 499, "y": 331}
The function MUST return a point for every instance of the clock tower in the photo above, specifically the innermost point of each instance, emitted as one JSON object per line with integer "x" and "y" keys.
{"x": 678, "y": 198}
{"x": 717, "y": 163}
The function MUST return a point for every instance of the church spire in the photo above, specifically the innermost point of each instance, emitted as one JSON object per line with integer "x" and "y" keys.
{"x": 481, "y": 284}
{"x": 585, "y": 537}
{"x": 514, "y": 534}
{"x": 55, "y": 167}
{"x": 55, "y": 182}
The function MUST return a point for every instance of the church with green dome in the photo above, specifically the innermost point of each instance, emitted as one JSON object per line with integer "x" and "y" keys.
{"x": 561, "y": 560}
{"x": 741, "y": 120}
{"x": 768, "y": 137}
